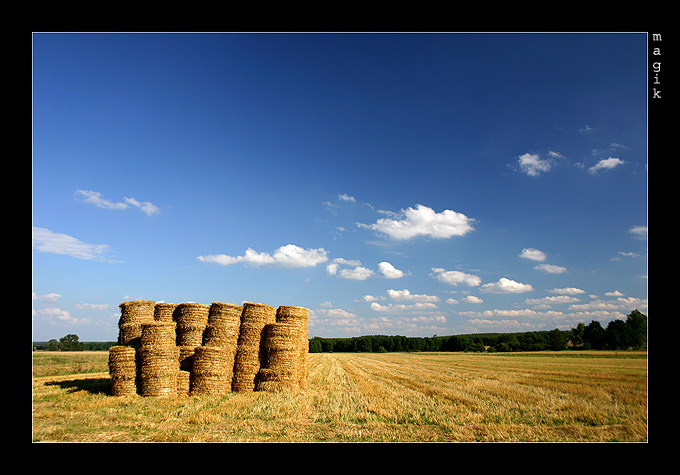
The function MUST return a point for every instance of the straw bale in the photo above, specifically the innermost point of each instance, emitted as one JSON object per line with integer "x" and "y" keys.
{"x": 158, "y": 333}
{"x": 212, "y": 371}
{"x": 220, "y": 335}
{"x": 192, "y": 314}
{"x": 222, "y": 312}
{"x": 250, "y": 351}
{"x": 130, "y": 334}
{"x": 164, "y": 312}
{"x": 191, "y": 321}
{"x": 123, "y": 370}
{"x": 277, "y": 381}
{"x": 158, "y": 370}
{"x": 292, "y": 314}
{"x": 136, "y": 311}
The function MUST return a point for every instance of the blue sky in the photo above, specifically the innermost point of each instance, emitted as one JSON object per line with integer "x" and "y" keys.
{"x": 409, "y": 183}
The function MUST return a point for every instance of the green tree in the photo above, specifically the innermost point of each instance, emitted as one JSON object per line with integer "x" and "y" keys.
{"x": 637, "y": 325}
{"x": 577, "y": 334}
{"x": 70, "y": 342}
{"x": 315, "y": 345}
{"x": 594, "y": 336}
{"x": 53, "y": 345}
{"x": 556, "y": 339}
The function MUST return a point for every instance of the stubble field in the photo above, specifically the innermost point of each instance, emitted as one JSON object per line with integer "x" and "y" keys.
{"x": 364, "y": 397}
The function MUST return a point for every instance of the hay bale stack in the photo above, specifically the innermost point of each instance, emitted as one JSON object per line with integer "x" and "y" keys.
{"x": 159, "y": 360}
{"x": 298, "y": 317}
{"x": 192, "y": 319}
{"x": 123, "y": 370}
{"x": 280, "y": 370}
{"x": 209, "y": 375}
{"x": 133, "y": 314}
{"x": 249, "y": 351}
{"x": 277, "y": 381}
{"x": 163, "y": 312}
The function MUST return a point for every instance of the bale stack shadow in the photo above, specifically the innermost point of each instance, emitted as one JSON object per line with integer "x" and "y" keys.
{"x": 187, "y": 349}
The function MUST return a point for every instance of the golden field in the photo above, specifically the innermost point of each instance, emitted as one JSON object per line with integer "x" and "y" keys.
{"x": 589, "y": 396}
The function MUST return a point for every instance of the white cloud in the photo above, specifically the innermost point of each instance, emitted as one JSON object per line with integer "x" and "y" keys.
{"x": 533, "y": 254}
{"x": 532, "y": 165}
{"x": 551, "y": 269}
{"x": 423, "y": 221}
{"x": 51, "y": 297}
{"x": 547, "y": 301}
{"x": 473, "y": 299}
{"x": 48, "y": 241}
{"x": 92, "y": 306}
{"x": 346, "y": 197}
{"x": 454, "y": 277}
{"x": 614, "y": 293}
{"x": 372, "y": 298}
{"x": 639, "y": 232}
{"x": 407, "y": 295}
{"x": 95, "y": 198}
{"x": 506, "y": 286}
{"x": 289, "y": 255}
{"x": 402, "y": 308}
{"x": 389, "y": 271}
{"x": 567, "y": 291}
{"x": 605, "y": 164}
{"x": 358, "y": 273}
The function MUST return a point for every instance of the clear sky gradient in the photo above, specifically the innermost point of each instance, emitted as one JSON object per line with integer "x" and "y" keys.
{"x": 410, "y": 184}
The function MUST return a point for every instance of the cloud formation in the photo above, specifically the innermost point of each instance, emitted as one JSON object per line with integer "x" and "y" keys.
{"x": 533, "y": 165}
{"x": 289, "y": 255}
{"x": 605, "y": 164}
{"x": 423, "y": 221}
{"x": 48, "y": 241}
{"x": 533, "y": 254}
{"x": 506, "y": 286}
{"x": 95, "y": 198}
{"x": 454, "y": 277}
{"x": 389, "y": 271}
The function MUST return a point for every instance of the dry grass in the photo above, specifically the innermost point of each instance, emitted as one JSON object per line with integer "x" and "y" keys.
{"x": 414, "y": 397}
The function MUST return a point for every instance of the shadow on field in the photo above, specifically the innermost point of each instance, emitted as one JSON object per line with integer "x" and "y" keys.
{"x": 93, "y": 386}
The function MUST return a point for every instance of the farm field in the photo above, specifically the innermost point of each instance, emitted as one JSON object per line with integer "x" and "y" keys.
{"x": 364, "y": 397}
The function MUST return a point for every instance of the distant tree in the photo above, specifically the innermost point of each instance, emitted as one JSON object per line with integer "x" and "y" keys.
{"x": 618, "y": 335}
{"x": 577, "y": 334}
{"x": 556, "y": 339}
{"x": 70, "y": 342}
{"x": 315, "y": 345}
{"x": 53, "y": 345}
{"x": 594, "y": 336}
{"x": 637, "y": 325}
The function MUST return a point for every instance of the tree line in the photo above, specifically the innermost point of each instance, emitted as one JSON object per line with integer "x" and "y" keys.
{"x": 617, "y": 335}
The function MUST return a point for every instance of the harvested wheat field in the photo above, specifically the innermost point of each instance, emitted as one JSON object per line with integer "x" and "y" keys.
{"x": 365, "y": 397}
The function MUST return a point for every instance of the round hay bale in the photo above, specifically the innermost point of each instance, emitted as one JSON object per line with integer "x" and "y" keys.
{"x": 164, "y": 312}
{"x": 123, "y": 370}
{"x": 130, "y": 334}
{"x": 158, "y": 370}
{"x": 250, "y": 351}
{"x": 136, "y": 311}
{"x": 212, "y": 371}
{"x": 158, "y": 333}
{"x": 291, "y": 314}
{"x": 191, "y": 321}
{"x": 277, "y": 381}
{"x": 227, "y": 313}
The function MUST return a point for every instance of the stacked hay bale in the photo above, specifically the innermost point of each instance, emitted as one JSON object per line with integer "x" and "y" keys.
{"x": 192, "y": 319}
{"x": 159, "y": 360}
{"x": 164, "y": 312}
{"x": 250, "y": 350}
{"x": 213, "y": 362}
{"x": 133, "y": 315}
{"x": 286, "y": 346}
{"x": 299, "y": 318}
{"x": 123, "y": 370}
{"x": 279, "y": 372}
